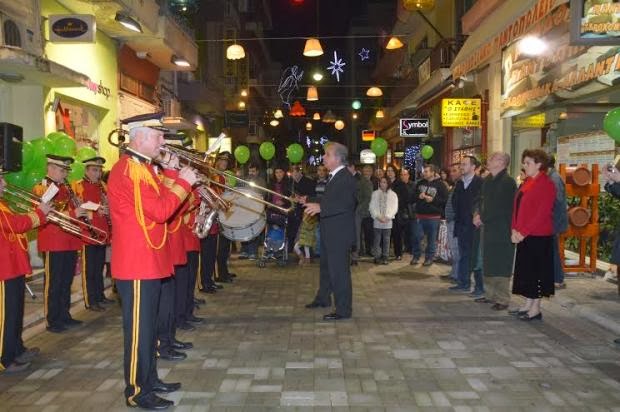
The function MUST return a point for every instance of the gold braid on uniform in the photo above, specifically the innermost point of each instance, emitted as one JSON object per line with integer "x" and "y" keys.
{"x": 11, "y": 236}
{"x": 138, "y": 174}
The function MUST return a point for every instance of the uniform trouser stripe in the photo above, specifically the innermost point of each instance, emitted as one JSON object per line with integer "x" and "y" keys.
{"x": 135, "y": 341}
{"x": 2, "y": 322}
{"x": 47, "y": 280}
{"x": 85, "y": 278}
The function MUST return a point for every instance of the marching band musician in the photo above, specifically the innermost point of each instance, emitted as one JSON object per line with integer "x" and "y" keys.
{"x": 59, "y": 247}
{"x": 14, "y": 357}
{"x": 192, "y": 248}
{"x": 92, "y": 189}
{"x": 140, "y": 206}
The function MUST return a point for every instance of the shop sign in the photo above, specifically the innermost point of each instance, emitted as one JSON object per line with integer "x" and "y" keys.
{"x": 594, "y": 24}
{"x": 367, "y": 157}
{"x": 399, "y": 155}
{"x": 565, "y": 72}
{"x": 536, "y": 121}
{"x": 98, "y": 88}
{"x": 236, "y": 119}
{"x": 424, "y": 71}
{"x": 368, "y": 135}
{"x": 535, "y": 20}
{"x": 460, "y": 112}
{"x": 72, "y": 28}
{"x": 414, "y": 127}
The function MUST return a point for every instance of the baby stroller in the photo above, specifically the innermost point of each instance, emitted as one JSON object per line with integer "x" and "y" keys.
{"x": 276, "y": 244}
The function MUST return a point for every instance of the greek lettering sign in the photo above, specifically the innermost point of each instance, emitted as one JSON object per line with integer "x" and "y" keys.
{"x": 414, "y": 127}
{"x": 536, "y": 121}
{"x": 460, "y": 112}
{"x": 564, "y": 72}
{"x": 595, "y": 22}
{"x": 72, "y": 28}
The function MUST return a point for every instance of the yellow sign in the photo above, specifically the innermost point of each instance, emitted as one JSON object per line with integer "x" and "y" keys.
{"x": 536, "y": 121}
{"x": 460, "y": 112}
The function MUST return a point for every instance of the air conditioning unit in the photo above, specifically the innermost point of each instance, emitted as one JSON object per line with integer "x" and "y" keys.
{"x": 16, "y": 33}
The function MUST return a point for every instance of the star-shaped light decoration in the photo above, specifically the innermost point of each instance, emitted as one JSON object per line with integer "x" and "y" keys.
{"x": 336, "y": 66}
{"x": 364, "y": 54}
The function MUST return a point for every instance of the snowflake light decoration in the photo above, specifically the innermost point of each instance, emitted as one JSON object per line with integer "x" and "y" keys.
{"x": 364, "y": 54}
{"x": 336, "y": 66}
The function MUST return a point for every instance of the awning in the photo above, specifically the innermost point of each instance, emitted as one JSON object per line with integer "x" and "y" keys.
{"x": 19, "y": 66}
{"x": 422, "y": 92}
{"x": 507, "y": 22}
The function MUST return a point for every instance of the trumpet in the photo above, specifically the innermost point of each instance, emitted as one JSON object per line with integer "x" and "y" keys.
{"x": 210, "y": 205}
{"x": 197, "y": 161}
{"x": 28, "y": 202}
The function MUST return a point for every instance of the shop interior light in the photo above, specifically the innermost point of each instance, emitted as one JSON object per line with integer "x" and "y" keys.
{"x": 179, "y": 61}
{"x": 128, "y": 22}
{"x": 374, "y": 92}
{"x": 313, "y": 94}
{"x": 313, "y": 47}
{"x": 278, "y": 114}
{"x": 394, "y": 43}
{"x": 235, "y": 52}
{"x": 532, "y": 46}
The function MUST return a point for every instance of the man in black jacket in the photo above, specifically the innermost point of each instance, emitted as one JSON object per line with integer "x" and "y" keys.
{"x": 430, "y": 200}
{"x": 337, "y": 211}
{"x": 466, "y": 195}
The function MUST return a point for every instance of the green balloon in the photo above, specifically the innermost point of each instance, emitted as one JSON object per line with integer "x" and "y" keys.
{"x": 295, "y": 152}
{"x": 55, "y": 136}
{"x": 267, "y": 150}
{"x": 38, "y": 162}
{"x": 32, "y": 177}
{"x": 427, "y": 152}
{"x": 27, "y": 153}
{"x": 64, "y": 146}
{"x": 42, "y": 146}
{"x": 16, "y": 179}
{"x": 242, "y": 154}
{"x": 231, "y": 180}
{"x": 611, "y": 124}
{"x": 84, "y": 153}
{"x": 379, "y": 146}
{"x": 76, "y": 172}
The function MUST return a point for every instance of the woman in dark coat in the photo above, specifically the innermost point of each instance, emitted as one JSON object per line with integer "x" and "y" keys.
{"x": 532, "y": 231}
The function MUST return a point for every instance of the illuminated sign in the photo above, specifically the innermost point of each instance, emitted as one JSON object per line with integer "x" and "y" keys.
{"x": 368, "y": 135}
{"x": 368, "y": 157}
{"x": 414, "y": 127}
{"x": 72, "y": 28}
{"x": 460, "y": 112}
{"x": 536, "y": 121}
{"x": 594, "y": 23}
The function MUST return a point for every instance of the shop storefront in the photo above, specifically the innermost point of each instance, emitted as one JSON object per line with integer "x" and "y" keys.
{"x": 90, "y": 112}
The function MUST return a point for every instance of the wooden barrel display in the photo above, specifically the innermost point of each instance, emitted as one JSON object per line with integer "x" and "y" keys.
{"x": 579, "y": 216}
{"x": 579, "y": 176}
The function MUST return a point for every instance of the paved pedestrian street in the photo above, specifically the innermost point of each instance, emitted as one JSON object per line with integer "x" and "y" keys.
{"x": 411, "y": 345}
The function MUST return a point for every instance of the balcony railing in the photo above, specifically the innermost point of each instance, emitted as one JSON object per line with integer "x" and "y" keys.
{"x": 444, "y": 53}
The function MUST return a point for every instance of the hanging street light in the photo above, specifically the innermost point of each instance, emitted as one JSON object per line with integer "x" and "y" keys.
{"x": 274, "y": 122}
{"x": 308, "y": 126}
{"x": 278, "y": 114}
{"x": 235, "y": 52}
{"x": 317, "y": 76}
{"x": 313, "y": 48}
{"x": 379, "y": 114}
{"x": 374, "y": 92}
{"x": 313, "y": 94}
{"x": 339, "y": 125}
{"x": 317, "y": 116}
{"x": 394, "y": 43}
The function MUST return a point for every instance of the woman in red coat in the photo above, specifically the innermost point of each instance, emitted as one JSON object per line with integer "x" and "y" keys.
{"x": 532, "y": 231}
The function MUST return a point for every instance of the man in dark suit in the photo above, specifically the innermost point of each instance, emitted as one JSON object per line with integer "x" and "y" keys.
{"x": 337, "y": 211}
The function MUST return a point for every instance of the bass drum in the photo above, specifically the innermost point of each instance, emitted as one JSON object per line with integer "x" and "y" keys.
{"x": 246, "y": 217}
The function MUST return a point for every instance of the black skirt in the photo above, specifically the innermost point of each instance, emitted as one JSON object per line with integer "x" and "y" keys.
{"x": 533, "y": 275}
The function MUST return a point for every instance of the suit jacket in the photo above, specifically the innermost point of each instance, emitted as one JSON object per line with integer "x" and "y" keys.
{"x": 338, "y": 210}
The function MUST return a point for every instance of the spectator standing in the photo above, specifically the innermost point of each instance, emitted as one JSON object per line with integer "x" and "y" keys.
{"x": 466, "y": 195}
{"x": 532, "y": 231}
{"x": 363, "y": 220}
{"x": 494, "y": 217}
{"x": 612, "y": 187}
{"x": 249, "y": 249}
{"x": 560, "y": 222}
{"x": 383, "y": 208}
{"x": 455, "y": 175}
{"x": 379, "y": 173}
{"x": 430, "y": 200}
{"x": 401, "y": 233}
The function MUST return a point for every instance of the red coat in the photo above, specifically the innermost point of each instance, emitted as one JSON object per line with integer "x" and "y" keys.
{"x": 534, "y": 216}
{"x": 13, "y": 242}
{"x": 140, "y": 206}
{"x": 190, "y": 240}
{"x": 50, "y": 237}
{"x": 88, "y": 191}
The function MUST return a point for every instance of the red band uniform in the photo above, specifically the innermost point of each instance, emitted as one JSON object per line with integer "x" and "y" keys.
{"x": 60, "y": 252}
{"x": 93, "y": 255}
{"x": 140, "y": 206}
{"x": 209, "y": 251}
{"x": 192, "y": 248}
{"x": 15, "y": 265}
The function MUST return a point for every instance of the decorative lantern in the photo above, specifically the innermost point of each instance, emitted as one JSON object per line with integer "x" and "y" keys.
{"x": 374, "y": 92}
{"x": 313, "y": 94}
{"x": 297, "y": 110}
{"x": 394, "y": 43}
{"x": 313, "y": 48}
{"x": 274, "y": 122}
{"x": 278, "y": 114}
{"x": 317, "y": 116}
{"x": 329, "y": 117}
{"x": 339, "y": 125}
{"x": 379, "y": 114}
{"x": 235, "y": 52}
{"x": 308, "y": 126}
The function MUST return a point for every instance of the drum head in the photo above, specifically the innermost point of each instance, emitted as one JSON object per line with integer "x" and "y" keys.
{"x": 244, "y": 210}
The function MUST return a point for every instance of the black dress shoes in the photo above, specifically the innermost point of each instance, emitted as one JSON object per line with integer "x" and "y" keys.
{"x": 195, "y": 319}
{"x": 232, "y": 275}
{"x": 106, "y": 301}
{"x": 210, "y": 290}
{"x": 150, "y": 402}
{"x": 72, "y": 323}
{"x": 315, "y": 304}
{"x": 172, "y": 355}
{"x": 335, "y": 316}
{"x": 56, "y": 328}
{"x": 28, "y": 355}
{"x": 178, "y": 345}
{"x": 227, "y": 279}
{"x": 186, "y": 326}
{"x": 96, "y": 308}
{"x": 528, "y": 318}
{"x": 218, "y": 286}
{"x": 199, "y": 301}
{"x": 161, "y": 387}
{"x": 517, "y": 312}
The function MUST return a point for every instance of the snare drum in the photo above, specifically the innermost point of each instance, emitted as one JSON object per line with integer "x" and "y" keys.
{"x": 246, "y": 217}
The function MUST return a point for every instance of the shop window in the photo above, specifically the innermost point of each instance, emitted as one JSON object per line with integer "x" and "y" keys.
{"x": 11, "y": 34}
{"x": 80, "y": 122}
{"x": 466, "y": 142}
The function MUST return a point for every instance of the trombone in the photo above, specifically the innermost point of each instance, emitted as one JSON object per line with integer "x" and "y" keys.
{"x": 197, "y": 161}
{"x": 27, "y": 202}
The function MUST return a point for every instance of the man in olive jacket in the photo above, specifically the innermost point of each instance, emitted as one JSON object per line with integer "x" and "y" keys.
{"x": 494, "y": 215}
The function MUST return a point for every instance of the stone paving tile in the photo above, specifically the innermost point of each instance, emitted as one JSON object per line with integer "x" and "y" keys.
{"x": 410, "y": 346}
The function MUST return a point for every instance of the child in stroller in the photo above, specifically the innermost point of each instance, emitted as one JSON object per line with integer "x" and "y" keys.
{"x": 275, "y": 245}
